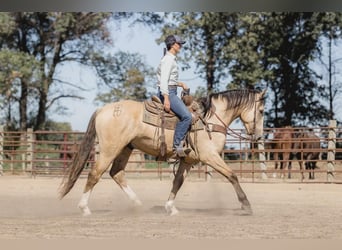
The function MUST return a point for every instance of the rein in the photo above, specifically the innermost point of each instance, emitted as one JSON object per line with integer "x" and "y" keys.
{"x": 225, "y": 128}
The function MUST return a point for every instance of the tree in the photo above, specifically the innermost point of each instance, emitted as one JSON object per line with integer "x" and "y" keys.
{"x": 124, "y": 76}
{"x": 50, "y": 40}
{"x": 286, "y": 43}
{"x": 248, "y": 65}
{"x": 19, "y": 72}
{"x": 332, "y": 23}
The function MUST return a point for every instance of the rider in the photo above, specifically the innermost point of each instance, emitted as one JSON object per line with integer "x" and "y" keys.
{"x": 167, "y": 87}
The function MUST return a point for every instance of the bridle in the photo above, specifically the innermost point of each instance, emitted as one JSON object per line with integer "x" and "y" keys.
{"x": 225, "y": 128}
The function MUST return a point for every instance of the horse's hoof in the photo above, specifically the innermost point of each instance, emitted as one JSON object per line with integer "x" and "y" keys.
{"x": 170, "y": 208}
{"x": 137, "y": 203}
{"x": 85, "y": 210}
{"x": 247, "y": 210}
{"x": 174, "y": 212}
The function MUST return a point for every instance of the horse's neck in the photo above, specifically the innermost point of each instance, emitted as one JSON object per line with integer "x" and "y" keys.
{"x": 228, "y": 116}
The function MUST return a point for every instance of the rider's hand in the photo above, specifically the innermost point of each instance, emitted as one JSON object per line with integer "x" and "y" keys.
{"x": 166, "y": 103}
{"x": 183, "y": 85}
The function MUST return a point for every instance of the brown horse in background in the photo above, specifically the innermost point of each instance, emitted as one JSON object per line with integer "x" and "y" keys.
{"x": 119, "y": 128}
{"x": 306, "y": 147}
{"x": 282, "y": 145}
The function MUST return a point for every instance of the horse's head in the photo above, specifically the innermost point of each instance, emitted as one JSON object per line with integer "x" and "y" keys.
{"x": 246, "y": 104}
{"x": 253, "y": 116}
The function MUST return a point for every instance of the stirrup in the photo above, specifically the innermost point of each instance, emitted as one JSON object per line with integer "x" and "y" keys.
{"x": 181, "y": 152}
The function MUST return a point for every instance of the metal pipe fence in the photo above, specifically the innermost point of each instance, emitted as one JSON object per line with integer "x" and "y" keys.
{"x": 49, "y": 153}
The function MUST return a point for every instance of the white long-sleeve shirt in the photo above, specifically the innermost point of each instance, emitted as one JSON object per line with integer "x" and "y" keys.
{"x": 167, "y": 73}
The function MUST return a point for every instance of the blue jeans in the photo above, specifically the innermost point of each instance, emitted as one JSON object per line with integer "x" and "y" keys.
{"x": 182, "y": 112}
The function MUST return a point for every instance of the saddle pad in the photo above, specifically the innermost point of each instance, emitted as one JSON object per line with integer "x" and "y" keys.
{"x": 153, "y": 119}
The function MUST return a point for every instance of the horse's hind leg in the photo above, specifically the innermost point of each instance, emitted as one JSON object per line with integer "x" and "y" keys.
{"x": 313, "y": 167}
{"x": 300, "y": 162}
{"x": 215, "y": 161}
{"x": 178, "y": 181}
{"x": 118, "y": 174}
{"x": 93, "y": 177}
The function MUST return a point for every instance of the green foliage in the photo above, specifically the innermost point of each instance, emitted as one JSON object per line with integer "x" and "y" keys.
{"x": 125, "y": 76}
{"x": 17, "y": 65}
{"x": 7, "y": 23}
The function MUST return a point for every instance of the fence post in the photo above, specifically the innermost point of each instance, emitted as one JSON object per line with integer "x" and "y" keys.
{"x": 331, "y": 150}
{"x": 262, "y": 158}
{"x": 1, "y": 150}
{"x": 30, "y": 149}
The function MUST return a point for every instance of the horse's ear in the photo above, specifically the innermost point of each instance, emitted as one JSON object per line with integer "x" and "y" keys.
{"x": 263, "y": 93}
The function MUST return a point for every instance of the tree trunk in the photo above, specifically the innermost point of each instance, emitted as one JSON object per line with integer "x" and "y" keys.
{"x": 41, "y": 116}
{"x": 23, "y": 105}
{"x": 210, "y": 67}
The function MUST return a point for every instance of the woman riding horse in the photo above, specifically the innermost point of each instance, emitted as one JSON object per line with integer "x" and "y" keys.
{"x": 167, "y": 86}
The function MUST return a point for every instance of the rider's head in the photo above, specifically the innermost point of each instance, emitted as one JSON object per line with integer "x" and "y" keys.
{"x": 172, "y": 39}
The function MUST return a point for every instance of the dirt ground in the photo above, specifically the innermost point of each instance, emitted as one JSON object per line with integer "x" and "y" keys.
{"x": 30, "y": 209}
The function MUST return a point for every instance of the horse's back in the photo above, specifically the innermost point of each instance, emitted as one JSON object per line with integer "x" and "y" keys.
{"x": 119, "y": 118}
{"x": 121, "y": 109}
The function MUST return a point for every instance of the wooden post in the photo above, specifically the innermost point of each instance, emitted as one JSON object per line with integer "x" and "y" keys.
{"x": 262, "y": 158}
{"x": 331, "y": 150}
{"x": 1, "y": 150}
{"x": 30, "y": 151}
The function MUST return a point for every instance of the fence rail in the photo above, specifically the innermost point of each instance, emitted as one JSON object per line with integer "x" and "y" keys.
{"x": 50, "y": 153}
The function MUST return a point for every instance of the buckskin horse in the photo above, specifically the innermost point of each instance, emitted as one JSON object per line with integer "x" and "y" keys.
{"x": 119, "y": 128}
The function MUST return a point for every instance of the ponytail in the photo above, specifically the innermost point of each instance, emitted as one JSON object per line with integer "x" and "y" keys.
{"x": 164, "y": 51}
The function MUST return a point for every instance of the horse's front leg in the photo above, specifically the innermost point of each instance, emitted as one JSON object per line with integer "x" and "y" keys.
{"x": 300, "y": 162}
{"x": 287, "y": 166}
{"x": 181, "y": 173}
{"x": 309, "y": 165}
{"x": 216, "y": 162}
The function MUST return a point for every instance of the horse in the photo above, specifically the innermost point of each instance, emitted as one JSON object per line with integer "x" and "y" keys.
{"x": 306, "y": 142}
{"x": 119, "y": 128}
{"x": 282, "y": 145}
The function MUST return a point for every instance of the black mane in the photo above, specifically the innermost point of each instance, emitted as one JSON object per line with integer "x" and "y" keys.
{"x": 234, "y": 98}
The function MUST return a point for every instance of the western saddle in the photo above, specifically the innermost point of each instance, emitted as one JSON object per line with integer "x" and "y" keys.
{"x": 155, "y": 115}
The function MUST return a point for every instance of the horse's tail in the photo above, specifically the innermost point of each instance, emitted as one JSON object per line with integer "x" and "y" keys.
{"x": 80, "y": 158}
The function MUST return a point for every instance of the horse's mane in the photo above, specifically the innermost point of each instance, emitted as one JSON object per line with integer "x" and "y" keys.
{"x": 234, "y": 98}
